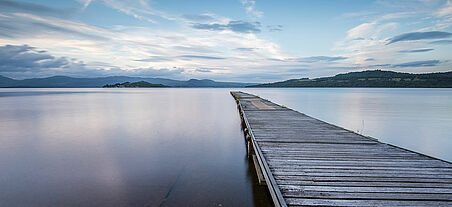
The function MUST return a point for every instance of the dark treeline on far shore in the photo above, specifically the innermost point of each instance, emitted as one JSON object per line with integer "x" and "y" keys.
{"x": 371, "y": 78}
{"x": 139, "y": 84}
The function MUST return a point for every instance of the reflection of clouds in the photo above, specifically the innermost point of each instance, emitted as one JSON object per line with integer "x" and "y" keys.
{"x": 126, "y": 147}
{"x": 71, "y": 130}
{"x": 351, "y": 104}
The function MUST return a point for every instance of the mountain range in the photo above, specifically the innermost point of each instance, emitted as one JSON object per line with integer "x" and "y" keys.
{"x": 70, "y": 82}
{"x": 369, "y": 78}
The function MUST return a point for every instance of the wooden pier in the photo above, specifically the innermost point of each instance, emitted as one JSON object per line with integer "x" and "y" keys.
{"x": 307, "y": 162}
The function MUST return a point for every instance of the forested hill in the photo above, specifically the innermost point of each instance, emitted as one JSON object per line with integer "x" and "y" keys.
{"x": 371, "y": 78}
{"x": 139, "y": 84}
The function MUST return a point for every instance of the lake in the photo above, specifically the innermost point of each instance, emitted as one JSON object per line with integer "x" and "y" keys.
{"x": 124, "y": 147}
{"x": 180, "y": 147}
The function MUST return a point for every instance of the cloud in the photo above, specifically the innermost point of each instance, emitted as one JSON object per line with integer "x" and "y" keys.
{"x": 198, "y": 17}
{"x": 172, "y": 58}
{"x": 423, "y": 63}
{"x": 14, "y": 6}
{"x": 320, "y": 59}
{"x": 361, "y": 30}
{"x": 202, "y": 57}
{"x": 244, "y": 27}
{"x": 25, "y": 58}
{"x": 278, "y": 60}
{"x": 298, "y": 70}
{"x": 85, "y": 3}
{"x": 413, "y": 64}
{"x": 24, "y": 61}
{"x": 211, "y": 70}
{"x": 446, "y": 10}
{"x": 203, "y": 70}
{"x": 416, "y": 50}
{"x": 369, "y": 30}
{"x": 132, "y": 47}
{"x": 145, "y": 72}
{"x": 365, "y": 41}
{"x": 83, "y": 50}
{"x": 16, "y": 25}
{"x": 370, "y": 40}
{"x": 250, "y": 7}
{"x": 275, "y": 28}
{"x": 140, "y": 10}
{"x": 380, "y": 65}
{"x": 213, "y": 27}
{"x": 245, "y": 49}
{"x": 441, "y": 42}
{"x": 235, "y": 26}
{"x": 154, "y": 59}
{"x": 419, "y": 36}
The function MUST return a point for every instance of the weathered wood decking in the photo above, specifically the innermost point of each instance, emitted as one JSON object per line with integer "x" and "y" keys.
{"x": 307, "y": 162}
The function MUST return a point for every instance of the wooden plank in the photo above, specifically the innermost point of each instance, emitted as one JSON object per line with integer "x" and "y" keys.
{"x": 363, "y": 171}
{"x": 341, "y": 183}
{"x": 275, "y": 156}
{"x": 368, "y": 174}
{"x": 370, "y": 196}
{"x": 362, "y": 179}
{"x": 302, "y": 189}
{"x": 261, "y": 105}
{"x": 316, "y": 167}
{"x": 311, "y": 162}
{"x": 356, "y": 202}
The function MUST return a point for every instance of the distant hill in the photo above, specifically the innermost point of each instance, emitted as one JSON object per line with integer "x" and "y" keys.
{"x": 139, "y": 84}
{"x": 6, "y": 81}
{"x": 70, "y": 82}
{"x": 371, "y": 78}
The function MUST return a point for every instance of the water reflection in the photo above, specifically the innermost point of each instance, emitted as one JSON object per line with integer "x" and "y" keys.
{"x": 124, "y": 147}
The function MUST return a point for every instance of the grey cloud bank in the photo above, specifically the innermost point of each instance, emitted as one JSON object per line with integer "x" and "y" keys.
{"x": 424, "y": 63}
{"x": 25, "y": 58}
{"x": 320, "y": 58}
{"x": 416, "y": 50}
{"x": 235, "y": 26}
{"x": 198, "y": 17}
{"x": 419, "y": 36}
{"x": 202, "y": 57}
{"x": 14, "y": 6}
{"x": 22, "y": 61}
{"x": 441, "y": 42}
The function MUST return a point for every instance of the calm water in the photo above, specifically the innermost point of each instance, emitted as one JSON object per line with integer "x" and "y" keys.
{"x": 124, "y": 147}
{"x": 417, "y": 119}
{"x": 179, "y": 147}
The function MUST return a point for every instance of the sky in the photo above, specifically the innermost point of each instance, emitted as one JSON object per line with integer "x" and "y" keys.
{"x": 234, "y": 40}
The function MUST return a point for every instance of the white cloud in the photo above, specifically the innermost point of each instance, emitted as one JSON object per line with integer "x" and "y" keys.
{"x": 119, "y": 47}
{"x": 361, "y": 31}
{"x": 85, "y": 3}
{"x": 139, "y": 9}
{"x": 250, "y": 7}
{"x": 444, "y": 17}
{"x": 220, "y": 53}
{"x": 446, "y": 10}
{"x": 366, "y": 41}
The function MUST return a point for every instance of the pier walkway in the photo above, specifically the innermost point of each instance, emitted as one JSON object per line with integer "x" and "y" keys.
{"x": 307, "y": 162}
